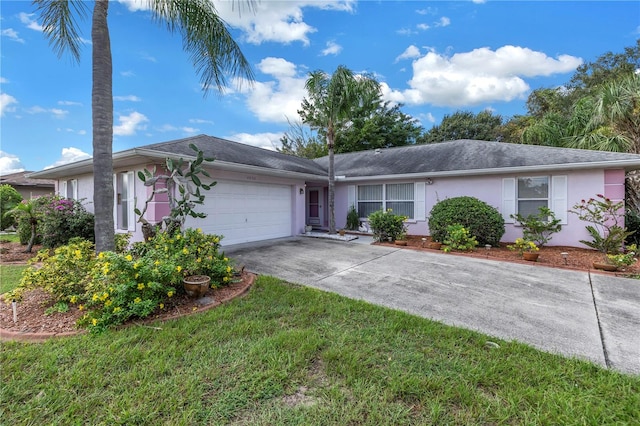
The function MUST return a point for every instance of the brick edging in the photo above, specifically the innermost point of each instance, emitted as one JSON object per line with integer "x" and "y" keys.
{"x": 22, "y": 336}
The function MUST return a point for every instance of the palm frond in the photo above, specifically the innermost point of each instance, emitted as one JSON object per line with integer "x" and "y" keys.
{"x": 60, "y": 26}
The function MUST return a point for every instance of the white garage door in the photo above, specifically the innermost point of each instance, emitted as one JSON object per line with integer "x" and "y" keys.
{"x": 245, "y": 212}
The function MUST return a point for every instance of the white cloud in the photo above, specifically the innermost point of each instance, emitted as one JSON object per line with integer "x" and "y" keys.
{"x": 3, "y": 80}
{"x": 443, "y": 22}
{"x": 69, "y": 103}
{"x": 422, "y": 27}
{"x": 479, "y": 1}
{"x": 12, "y": 35}
{"x": 148, "y": 57}
{"x": 199, "y": 121}
{"x": 130, "y": 124}
{"x": 409, "y": 53}
{"x": 69, "y": 155}
{"x": 261, "y": 140}
{"x": 477, "y": 77}
{"x": 129, "y": 98}
{"x": 280, "y": 98}
{"x": 25, "y": 18}
{"x": 69, "y": 130}
{"x": 127, "y": 73}
{"x": 6, "y": 102}
{"x": 331, "y": 49}
{"x": 427, "y": 11}
{"x": 277, "y": 21}
{"x": 9, "y": 163}
{"x": 188, "y": 129}
{"x": 55, "y": 112}
{"x": 273, "y": 21}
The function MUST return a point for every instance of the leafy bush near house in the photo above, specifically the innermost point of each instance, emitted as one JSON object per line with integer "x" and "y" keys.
{"x": 386, "y": 225}
{"x": 61, "y": 274}
{"x": 62, "y": 219}
{"x": 481, "y": 220}
{"x": 133, "y": 283}
{"x": 632, "y": 223}
{"x": 607, "y": 233}
{"x": 9, "y": 198}
{"x": 353, "y": 219}
{"x": 539, "y": 227}
{"x": 458, "y": 238}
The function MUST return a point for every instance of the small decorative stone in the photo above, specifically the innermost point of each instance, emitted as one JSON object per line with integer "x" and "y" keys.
{"x": 491, "y": 345}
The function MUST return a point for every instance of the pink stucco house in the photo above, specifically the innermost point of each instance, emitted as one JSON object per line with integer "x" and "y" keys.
{"x": 262, "y": 194}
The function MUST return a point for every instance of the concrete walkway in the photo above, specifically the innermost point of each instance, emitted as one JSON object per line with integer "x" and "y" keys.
{"x": 576, "y": 314}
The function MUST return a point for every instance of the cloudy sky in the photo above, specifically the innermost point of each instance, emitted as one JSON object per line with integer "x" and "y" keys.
{"x": 434, "y": 57}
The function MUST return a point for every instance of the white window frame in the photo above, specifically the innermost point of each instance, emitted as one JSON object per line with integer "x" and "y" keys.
{"x": 557, "y": 198}
{"x": 547, "y": 199}
{"x": 69, "y": 189}
{"x": 384, "y": 200}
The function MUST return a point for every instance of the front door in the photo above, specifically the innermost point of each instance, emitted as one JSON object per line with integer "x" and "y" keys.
{"x": 314, "y": 215}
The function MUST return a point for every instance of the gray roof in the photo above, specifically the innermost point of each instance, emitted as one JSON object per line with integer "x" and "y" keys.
{"x": 21, "y": 179}
{"x": 470, "y": 155}
{"x": 453, "y": 158}
{"x": 238, "y": 153}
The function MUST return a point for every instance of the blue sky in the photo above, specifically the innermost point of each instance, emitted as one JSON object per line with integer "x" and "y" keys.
{"x": 435, "y": 57}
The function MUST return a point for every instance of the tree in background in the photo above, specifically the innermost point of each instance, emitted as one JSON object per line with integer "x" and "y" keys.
{"x": 301, "y": 142}
{"x": 9, "y": 199}
{"x": 329, "y": 105}
{"x": 205, "y": 37}
{"x": 377, "y": 125}
{"x": 465, "y": 125}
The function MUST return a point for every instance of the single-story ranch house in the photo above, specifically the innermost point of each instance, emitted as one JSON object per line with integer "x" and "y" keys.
{"x": 263, "y": 194}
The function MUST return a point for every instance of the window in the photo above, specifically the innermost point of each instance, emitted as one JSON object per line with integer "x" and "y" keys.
{"x": 398, "y": 197}
{"x": 526, "y": 194}
{"x": 124, "y": 204}
{"x": 69, "y": 189}
{"x": 533, "y": 193}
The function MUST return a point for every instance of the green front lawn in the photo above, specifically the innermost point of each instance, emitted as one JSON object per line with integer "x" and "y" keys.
{"x": 292, "y": 355}
{"x": 10, "y": 277}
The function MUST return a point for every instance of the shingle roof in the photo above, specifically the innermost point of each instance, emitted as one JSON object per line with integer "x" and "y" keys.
{"x": 21, "y": 179}
{"x": 239, "y": 153}
{"x": 462, "y": 155}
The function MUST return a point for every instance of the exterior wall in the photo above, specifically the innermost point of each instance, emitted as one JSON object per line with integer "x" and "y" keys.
{"x": 159, "y": 207}
{"x": 580, "y": 185}
{"x": 30, "y": 192}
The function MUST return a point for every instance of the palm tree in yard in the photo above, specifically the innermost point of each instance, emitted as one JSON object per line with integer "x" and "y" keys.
{"x": 329, "y": 106}
{"x": 206, "y": 38}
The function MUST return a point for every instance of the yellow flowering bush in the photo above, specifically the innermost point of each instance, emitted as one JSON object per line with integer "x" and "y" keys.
{"x": 123, "y": 287}
{"x": 63, "y": 272}
{"x": 193, "y": 253}
{"x": 521, "y": 245}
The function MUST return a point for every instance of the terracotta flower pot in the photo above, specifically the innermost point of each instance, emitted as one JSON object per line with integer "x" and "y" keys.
{"x": 530, "y": 256}
{"x": 401, "y": 242}
{"x": 196, "y": 285}
{"x": 435, "y": 245}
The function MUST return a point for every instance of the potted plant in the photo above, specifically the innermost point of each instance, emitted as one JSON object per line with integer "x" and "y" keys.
{"x": 527, "y": 249}
{"x": 620, "y": 261}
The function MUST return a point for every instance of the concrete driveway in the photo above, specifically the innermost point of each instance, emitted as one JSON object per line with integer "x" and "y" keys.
{"x": 576, "y": 314}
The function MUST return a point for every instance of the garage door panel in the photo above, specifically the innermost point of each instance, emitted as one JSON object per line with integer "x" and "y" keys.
{"x": 246, "y": 211}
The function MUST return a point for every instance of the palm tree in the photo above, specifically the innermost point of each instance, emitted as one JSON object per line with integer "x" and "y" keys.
{"x": 206, "y": 38}
{"x": 28, "y": 209}
{"x": 609, "y": 120}
{"x": 330, "y": 104}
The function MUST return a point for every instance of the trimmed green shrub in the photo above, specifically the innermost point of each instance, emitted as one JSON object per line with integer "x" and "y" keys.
{"x": 353, "y": 219}
{"x": 458, "y": 238}
{"x": 482, "y": 221}
{"x": 9, "y": 198}
{"x": 386, "y": 225}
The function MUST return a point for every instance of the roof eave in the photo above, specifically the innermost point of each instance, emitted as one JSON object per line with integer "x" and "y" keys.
{"x": 627, "y": 165}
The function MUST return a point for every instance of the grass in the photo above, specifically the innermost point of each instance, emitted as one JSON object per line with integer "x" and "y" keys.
{"x": 10, "y": 276}
{"x": 10, "y": 238}
{"x": 292, "y": 355}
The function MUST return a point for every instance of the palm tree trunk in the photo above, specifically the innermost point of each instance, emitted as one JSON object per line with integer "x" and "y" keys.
{"x": 332, "y": 182}
{"x": 102, "y": 108}
{"x": 32, "y": 238}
